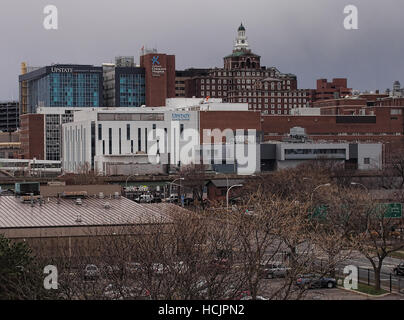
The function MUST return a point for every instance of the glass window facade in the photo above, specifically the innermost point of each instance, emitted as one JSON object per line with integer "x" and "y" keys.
{"x": 74, "y": 86}
{"x": 131, "y": 90}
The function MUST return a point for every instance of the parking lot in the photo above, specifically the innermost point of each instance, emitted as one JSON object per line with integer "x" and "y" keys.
{"x": 270, "y": 286}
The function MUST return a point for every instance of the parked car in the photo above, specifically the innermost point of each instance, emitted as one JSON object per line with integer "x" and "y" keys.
{"x": 312, "y": 281}
{"x": 188, "y": 201}
{"x": 234, "y": 294}
{"x": 91, "y": 272}
{"x": 145, "y": 198}
{"x": 246, "y": 298}
{"x": 112, "y": 271}
{"x": 399, "y": 269}
{"x": 157, "y": 199}
{"x": 159, "y": 268}
{"x": 112, "y": 291}
{"x": 134, "y": 267}
{"x": 200, "y": 289}
{"x": 274, "y": 270}
{"x": 173, "y": 198}
{"x": 180, "y": 267}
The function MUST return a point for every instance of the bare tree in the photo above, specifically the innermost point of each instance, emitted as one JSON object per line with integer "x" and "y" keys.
{"x": 370, "y": 230}
{"x": 195, "y": 181}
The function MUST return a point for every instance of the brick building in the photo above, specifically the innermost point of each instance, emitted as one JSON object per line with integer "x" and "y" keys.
{"x": 32, "y": 136}
{"x": 9, "y": 116}
{"x": 181, "y": 76}
{"x": 336, "y": 89}
{"x": 234, "y": 120}
{"x": 344, "y": 124}
{"x": 244, "y": 79}
{"x": 159, "y": 77}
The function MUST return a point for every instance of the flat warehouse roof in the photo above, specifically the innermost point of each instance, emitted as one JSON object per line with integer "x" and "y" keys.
{"x": 121, "y": 211}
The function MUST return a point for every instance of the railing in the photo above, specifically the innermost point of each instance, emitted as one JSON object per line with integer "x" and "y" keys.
{"x": 388, "y": 281}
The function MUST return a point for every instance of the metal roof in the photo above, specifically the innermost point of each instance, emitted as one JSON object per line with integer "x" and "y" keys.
{"x": 222, "y": 183}
{"x": 121, "y": 211}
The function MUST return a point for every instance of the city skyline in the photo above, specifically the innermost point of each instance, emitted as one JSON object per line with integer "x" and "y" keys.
{"x": 307, "y": 39}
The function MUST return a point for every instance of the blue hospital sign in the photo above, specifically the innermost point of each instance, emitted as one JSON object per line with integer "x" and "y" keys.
{"x": 180, "y": 117}
{"x": 155, "y": 60}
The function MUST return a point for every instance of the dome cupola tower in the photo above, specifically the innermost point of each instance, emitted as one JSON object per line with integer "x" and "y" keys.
{"x": 241, "y": 40}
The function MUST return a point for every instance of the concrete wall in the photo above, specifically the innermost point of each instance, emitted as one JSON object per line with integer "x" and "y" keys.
{"x": 107, "y": 189}
{"x": 374, "y": 155}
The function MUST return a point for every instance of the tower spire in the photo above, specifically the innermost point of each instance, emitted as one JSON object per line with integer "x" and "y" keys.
{"x": 241, "y": 40}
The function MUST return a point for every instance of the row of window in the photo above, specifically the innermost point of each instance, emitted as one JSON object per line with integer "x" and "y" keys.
{"x": 290, "y": 100}
{"x": 273, "y": 106}
{"x": 279, "y": 112}
{"x": 247, "y": 73}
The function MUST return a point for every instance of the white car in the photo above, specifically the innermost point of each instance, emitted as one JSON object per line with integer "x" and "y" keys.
{"x": 91, "y": 272}
{"x": 126, "y": 293}
{"x": 145, "y": 198}
{"x": 250, "y": 298}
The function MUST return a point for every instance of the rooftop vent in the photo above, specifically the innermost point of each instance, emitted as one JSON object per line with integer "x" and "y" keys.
{"x": 107, "y": 205}
{"x": 116, "y": 195}
{"x": 78, "y": 219}
{"x": 79, "y": 202}
{"x": 74, "y": 194}
{"x": 28, "y": 199}
{"x": 101, "y": 195}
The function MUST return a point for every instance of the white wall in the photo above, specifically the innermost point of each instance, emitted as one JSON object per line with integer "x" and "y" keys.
{"x": 77, "y": 152}
{"x": 373, "y": 152}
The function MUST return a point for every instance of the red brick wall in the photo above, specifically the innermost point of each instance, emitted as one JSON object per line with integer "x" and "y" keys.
{"x": 32, "y": 136}
{"x": 391, "y": 102}
{"x": 229, "y": 120}
{"x": 326, "y": 128}
{"x": 158, "y": 88}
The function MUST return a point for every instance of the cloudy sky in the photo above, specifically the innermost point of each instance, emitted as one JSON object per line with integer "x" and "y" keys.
{"x": 304, "y": 37}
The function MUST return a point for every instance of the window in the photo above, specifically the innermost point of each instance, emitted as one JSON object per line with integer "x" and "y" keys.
{"x": 366, "y": 160}
{"x": 139, "y": 139}
{"x": 128, "y": 132}
{"x": 145, "y": 139}
{"x": 99, "y": 131}
{"x": 120, "y": 140}
{"x": 395, "y": 112}
{"x": 110, "y": 140}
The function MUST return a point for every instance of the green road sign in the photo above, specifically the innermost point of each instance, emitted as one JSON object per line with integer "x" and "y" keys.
{"x": 393, "y": 210}
{"x": 320, "y": 212}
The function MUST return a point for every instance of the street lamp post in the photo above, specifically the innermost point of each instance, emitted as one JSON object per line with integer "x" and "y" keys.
{"x": 171, "y": 183}
{"x": 227, "y": 194}
{"x": 259, "y": 176}
{"x": 360, "y": 184}
{"x": 132, "y": 175}
{"x": 321, "y": 185}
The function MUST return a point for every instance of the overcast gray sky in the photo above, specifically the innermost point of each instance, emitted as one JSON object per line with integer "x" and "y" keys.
{"x": 304, "y": 37}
